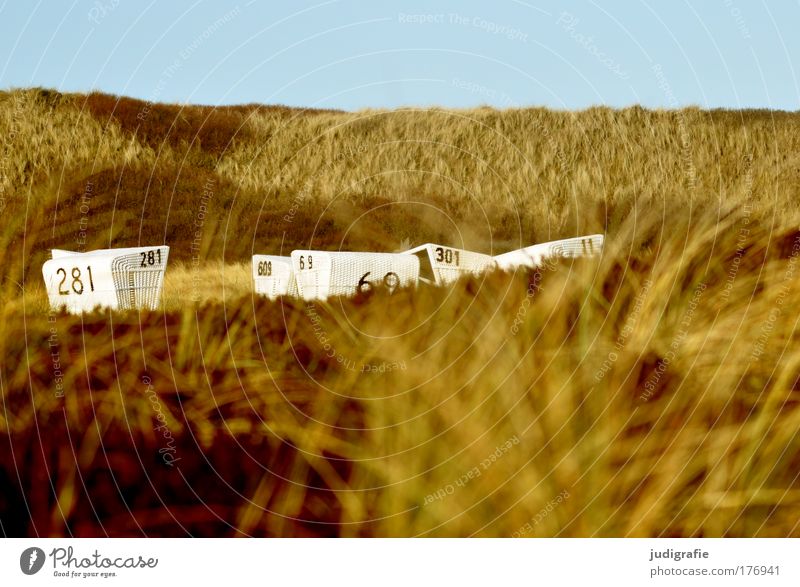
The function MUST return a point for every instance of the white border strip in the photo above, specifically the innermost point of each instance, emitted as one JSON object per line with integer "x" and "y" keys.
{"x": 402, "y": 562}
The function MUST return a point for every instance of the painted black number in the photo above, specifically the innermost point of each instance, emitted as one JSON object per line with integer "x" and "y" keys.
{"x": 77, "y": 282}
{"x": 76, "y": 279}
{"x": 63, "y": 272}
{"x": 265, "y": 268}
{"x": 303, "y": 263}
{"x": 391, "y": 280}
{"x": 448, "y": 256}
{"x": 364, "y": 286}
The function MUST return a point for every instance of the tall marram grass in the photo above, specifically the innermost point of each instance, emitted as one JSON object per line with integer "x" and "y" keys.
{"x": 96, "y": 171}
{"x": 651, "y": 392}
{"x": 646, "y": 394}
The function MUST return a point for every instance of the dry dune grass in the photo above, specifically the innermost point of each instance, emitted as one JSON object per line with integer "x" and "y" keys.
{"x": 651, "y": 392}
{"x": 214, "y": 281}
{"x": 114, "y": 171}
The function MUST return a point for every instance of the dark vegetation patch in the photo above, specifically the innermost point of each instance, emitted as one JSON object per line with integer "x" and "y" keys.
{"x": 211, "y": 129}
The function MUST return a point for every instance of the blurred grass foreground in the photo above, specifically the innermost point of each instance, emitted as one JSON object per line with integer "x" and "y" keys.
{"x": 650, "y": 392}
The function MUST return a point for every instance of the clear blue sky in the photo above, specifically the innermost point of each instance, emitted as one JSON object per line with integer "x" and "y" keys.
{"x": 354, "y": 54}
